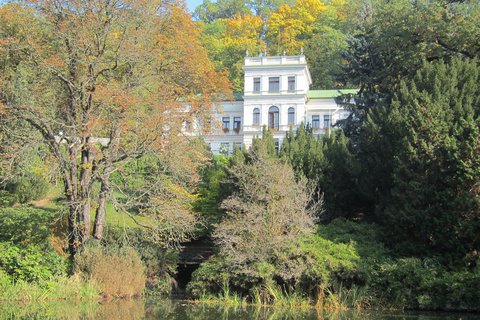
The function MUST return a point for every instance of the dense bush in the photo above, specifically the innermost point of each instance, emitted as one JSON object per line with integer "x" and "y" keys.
{"x": 160, "y": 263}
{"x": 5, "y": 280}
{"x": 210, "y": 277}
{"x": 328, "y": 264}
{"x": 6, "y": 198}
{"x": 31, "y": 263}
{"x": 28, "y": 186}
{"x": 423, "y": 284}
{"x": 452, "y": 291}
{"x": 26, "y": 225}
{"x": 366, "y": 238}
{"x": 161, "y": 267}
{"x": 117, "y": 271}
{"x": 308, "y": 265}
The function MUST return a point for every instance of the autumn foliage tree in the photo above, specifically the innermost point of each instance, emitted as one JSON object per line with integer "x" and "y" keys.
{"x": 99, "y": 82}
{"x": 230, "y": 29}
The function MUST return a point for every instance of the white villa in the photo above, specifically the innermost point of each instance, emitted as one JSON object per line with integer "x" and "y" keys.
{"x": 277, "y": 95}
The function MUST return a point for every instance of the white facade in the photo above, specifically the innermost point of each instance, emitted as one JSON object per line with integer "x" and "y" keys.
{"x": 277, "y": 95}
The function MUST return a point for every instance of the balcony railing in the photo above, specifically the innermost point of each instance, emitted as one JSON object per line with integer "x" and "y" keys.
{"x": 274, "y": 60}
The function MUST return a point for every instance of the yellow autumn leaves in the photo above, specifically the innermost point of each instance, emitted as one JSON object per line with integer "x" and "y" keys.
{"x": 285, "y": 29}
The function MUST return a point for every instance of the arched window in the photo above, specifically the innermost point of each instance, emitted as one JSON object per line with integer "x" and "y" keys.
{"x": 273, "y": 118}
{"x": 291, "y": 116}
{"x": 256, "y": 117}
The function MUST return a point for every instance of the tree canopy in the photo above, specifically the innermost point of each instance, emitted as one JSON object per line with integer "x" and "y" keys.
{"x": 99, "y": 83}
{"x": 230, "y": 29}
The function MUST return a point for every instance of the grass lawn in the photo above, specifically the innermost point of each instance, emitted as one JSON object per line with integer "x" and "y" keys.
{"x": 54, "y": 199}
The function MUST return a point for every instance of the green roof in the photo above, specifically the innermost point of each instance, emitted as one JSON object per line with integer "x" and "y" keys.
{"x": 325, "y": 94}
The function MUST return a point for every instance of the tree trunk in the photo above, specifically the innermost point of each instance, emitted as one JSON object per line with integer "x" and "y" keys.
{"x": 73, "y": 204}
{"x": 101, "y": 212}
{"x": 72, "y": 232}
{"x": 85, "y": 179}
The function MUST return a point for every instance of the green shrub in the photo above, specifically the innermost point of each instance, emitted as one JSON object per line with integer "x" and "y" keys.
{"x": 399, "y": 282}
{"x": 6, "y": 198}
{"x": 31, "y": 263}
{"x": 328, "y": 263}
{"x": 209, "y": 278}
{"x": 161, "y": 266}
{"x": 311, "y": 263}
{"x": 423, "y": 284}
{"x": 26, "y": 225}
{"x": 160, "y": 263}
{"x": 29, "y": 186}
{"x": 459, "y": 291}
{"x": 366, "y": 238}
{"x": 117, "y": 271}
{"x": 5, "y": 280}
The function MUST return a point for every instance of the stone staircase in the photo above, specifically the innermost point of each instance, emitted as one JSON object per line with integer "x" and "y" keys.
{"x": 195, "y": 252}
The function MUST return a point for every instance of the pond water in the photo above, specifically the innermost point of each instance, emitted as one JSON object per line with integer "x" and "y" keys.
{"x": 182, "y": 310}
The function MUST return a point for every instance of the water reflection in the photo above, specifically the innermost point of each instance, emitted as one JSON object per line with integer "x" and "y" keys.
{"x": 181, "y": 310}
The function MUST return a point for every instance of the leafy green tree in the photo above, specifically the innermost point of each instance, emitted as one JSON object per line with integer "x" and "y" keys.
{"x": 213, "y": 189}
{"x": 239, "y": 155}
{"x": 210, "y": 11}
{"x": 394, "y": 37}
{"x": 324, "y": 54}
{"x": 375, "y": 151}
{"x": 390, "y": 43}
{"x": 329, "y": 164}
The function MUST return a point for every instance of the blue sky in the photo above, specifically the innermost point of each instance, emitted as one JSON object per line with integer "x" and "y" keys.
{"x": 192, "y": 4}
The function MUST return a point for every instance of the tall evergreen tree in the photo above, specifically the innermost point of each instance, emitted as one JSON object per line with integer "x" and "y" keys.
{"x": 393, "y": 39}
{"x": 305, "y": 153}
{"x": 434, "y": 204}
{"x": 328, "y": 163}
{"x": 264, "y": 146}
{"x": 339, "y": 180}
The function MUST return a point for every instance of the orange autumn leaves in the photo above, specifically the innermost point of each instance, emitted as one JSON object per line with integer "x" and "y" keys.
{"x": 126, "y": 63}
{"x": 193, "y": 74}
